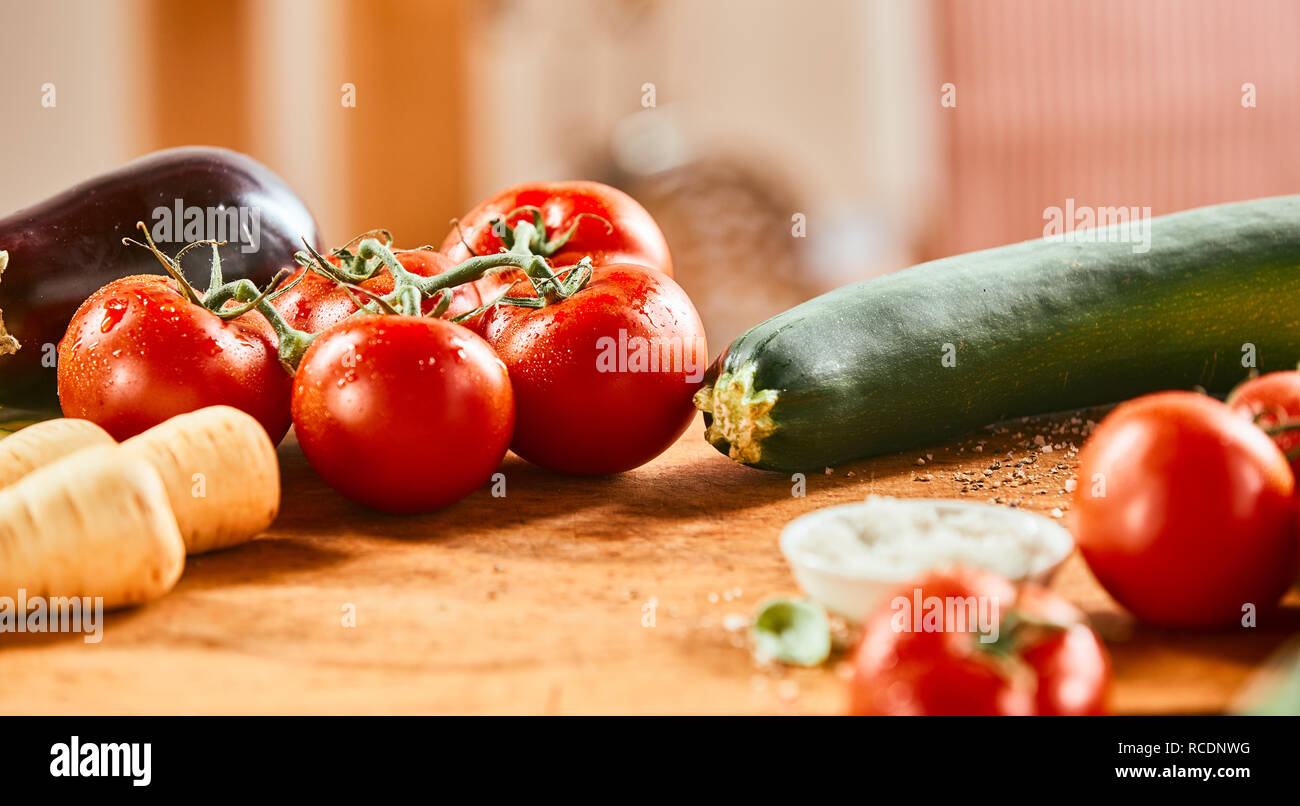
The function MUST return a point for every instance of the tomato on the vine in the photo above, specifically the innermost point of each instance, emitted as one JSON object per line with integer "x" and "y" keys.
{"x": 603, "y": 378}
{"x": 1184, "y": 512}
{"x": 1272, "y": 402}
{"x": 964, "y": 641}
{"x": 572, "y": 220}
{"x": 402, "y": 413}
{"x": 146, "y": 348}
{"x": 607, "y": 225}
{"x": 604, "y": 349}
{"x": 311, "y": 302}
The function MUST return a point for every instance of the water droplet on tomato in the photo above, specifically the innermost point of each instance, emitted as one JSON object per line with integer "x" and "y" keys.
{"x": 348, "y": 377}
{"x": 114, "y": 311}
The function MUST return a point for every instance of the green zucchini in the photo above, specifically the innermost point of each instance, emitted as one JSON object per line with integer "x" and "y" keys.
{"x": 944, "y": 347}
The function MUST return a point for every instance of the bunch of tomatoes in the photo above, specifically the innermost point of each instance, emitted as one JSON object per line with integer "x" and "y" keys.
{"x": 1186, "y": 509}
{"x": 1186, "y": 512}
{"x": 408, "y": 374}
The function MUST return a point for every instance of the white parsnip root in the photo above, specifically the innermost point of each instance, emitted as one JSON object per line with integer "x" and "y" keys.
{"x": 44, "y": 443}
{"x": 97, "y": 524}
{"x": 221, "y": 473}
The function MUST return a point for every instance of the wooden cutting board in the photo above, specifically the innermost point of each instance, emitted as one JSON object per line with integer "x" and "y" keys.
{"x": 565, "y": 596}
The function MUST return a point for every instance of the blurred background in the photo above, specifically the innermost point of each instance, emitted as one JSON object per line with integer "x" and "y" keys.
{"x": 785, "y": 147}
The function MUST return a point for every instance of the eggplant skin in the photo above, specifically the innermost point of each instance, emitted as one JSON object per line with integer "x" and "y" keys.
{"x": 65, "y": 248}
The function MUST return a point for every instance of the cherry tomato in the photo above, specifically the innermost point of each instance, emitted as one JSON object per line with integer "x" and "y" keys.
{"x": 314, "y": 303}
{"x": 1270, "y": 401}
{"x": 1183, "y": 511}
{"x": 402, "y": 413}
{"x": 138, "y": 352}
{"x": 603, "y": 379}
{"x": 1037, "y": 655}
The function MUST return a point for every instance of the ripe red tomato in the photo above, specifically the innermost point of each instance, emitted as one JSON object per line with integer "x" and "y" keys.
{"x": 315, "y": 303}
{"x": 1270, "y": 401}
{"x": 402, "y": 413}
{"x": 138, "y": 352}
{"x": 1044, "y": 660}
{"x": 631, "y": 236}
{"x": 1183, "y": 511}
{"x": 603, "y": 379}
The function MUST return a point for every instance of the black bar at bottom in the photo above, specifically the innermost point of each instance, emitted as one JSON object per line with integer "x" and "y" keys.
{"x": 726, "y": 755}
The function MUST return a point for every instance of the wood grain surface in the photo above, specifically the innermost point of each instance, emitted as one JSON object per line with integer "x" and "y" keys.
{"x": 540, "y": 602}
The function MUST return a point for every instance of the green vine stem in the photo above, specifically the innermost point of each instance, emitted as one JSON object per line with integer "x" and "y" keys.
{"x": 8, "y": 344}
{"x": 529, "y": 239}
{"x": 1281, "y": 428}
{"x": 527, "y": 248}
{"x": 1284, "y": 427}
{"x": 408, "y": 288}
{"x": 408, "y": 296}
{"x": 218, "y": 293}
{"x": 293, "y": 342}
{"x": 535, "y": 240}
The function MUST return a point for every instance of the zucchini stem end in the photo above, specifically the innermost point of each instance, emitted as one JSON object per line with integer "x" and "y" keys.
{"x": 740, "y": 416}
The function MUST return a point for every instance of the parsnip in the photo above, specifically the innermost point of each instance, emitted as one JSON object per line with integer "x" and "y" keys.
{"x": 97, "y": 524}
{"x": 221, "y": 474}
{"x": 43, "y": 443}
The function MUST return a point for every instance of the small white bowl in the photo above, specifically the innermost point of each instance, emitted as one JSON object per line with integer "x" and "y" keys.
{"x": 854, "y": 593}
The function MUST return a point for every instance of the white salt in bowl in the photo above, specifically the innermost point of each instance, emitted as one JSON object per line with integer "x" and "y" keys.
{"x": 849, "y": 557}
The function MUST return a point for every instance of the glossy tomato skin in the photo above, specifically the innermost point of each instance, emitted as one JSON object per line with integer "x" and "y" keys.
{"x": 1183, "y": 511}
{"x": 402, "y": 414}
{"x": 900, "y": 671}
{"x": 1071, "y": 665}
{"x": 137, "y": 353}
{"x": 315, "y": 303}
{"x": 1271, "y": 400}
{"x": 587, "y": 405}
{"x": 635, "y": 237}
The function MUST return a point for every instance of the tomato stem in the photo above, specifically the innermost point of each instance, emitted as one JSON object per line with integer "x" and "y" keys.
{"x": 409, "y": 292}
{"x": 293, "y": 342}
{"x": 264, "y": 294}
{"x": 408, "y": 295}
{"x": 428, "y": 287}
{"x": 527, "y": 241}
{"x": 555, "y": 245}
{"x": 219, "y": 292}
{"x": 376, "y": 299}
{"x": 501, "y": 295}
{"x": 170, "y": 265}
{"x": 1019, "y": 630}
{"x": 385, "y": 234}
{"x": 534, "y": 239}
{"x": 455, "y": 222}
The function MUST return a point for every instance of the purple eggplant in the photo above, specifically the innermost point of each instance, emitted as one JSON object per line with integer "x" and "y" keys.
{"x": 65, "y": 248}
